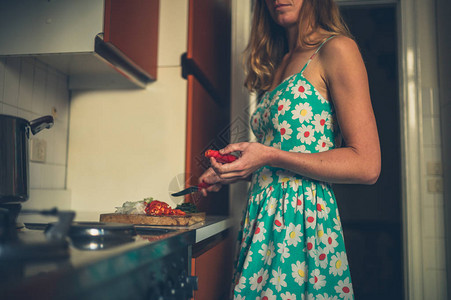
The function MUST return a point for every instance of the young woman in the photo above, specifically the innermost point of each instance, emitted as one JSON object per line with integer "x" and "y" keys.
{"x": 315, "y": 126}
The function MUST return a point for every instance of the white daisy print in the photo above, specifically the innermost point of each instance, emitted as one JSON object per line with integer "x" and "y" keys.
{"x": 317, "y": 279}
{"x": 239, "y": 297}
{"x": 310, "y": 193}
{"x": 290, "y": 82}
{"x": 283, "y": 106}
{"x": 320, "y": 121}
{"x": 321, "y": 209}
{"x": 298, "y": 202}
{"x": 267, "y": 253}
{"x": 337, "y": 224}
{"x": 300, "y": 149}
{"x": 331, "y": 123}
{"x": 288, "y": 296}
{"x": 306, "y": 134}
{"x": 293, "y": 235}
{"x": 344, "y": 287}
{"x": 265, "y": 116}
{"x": 278, "y": 222}
{"x": 264, "y": 178}
{"x": 323, "y": 144}
{"x": 272, "y": 205}
{"x": 269, "y": 137}
{"x": 319, "y": 233}
{"x": 240, "y": 284}
{"x": 299, "y": 272}
{"x": 309, "y": 297}
{"x": 255, "y": 122}
{"x": 338, "y": 264}
{"x": 301, "y": 89}
{"x": 259, "y": 234}
{"x": 310, "y": 217}
{"x": 310, "y": 247}
{"x": 326, "y": 297}
{"x": 320, "y": 97}
{"x": 284, "y": 252}
{"x": 268, "y": 294}
{"x": 265, "y": 101}
{"x": 285, "y": 131}
{"x": 258, "y": 280}
{"x": 275, "y": 121}
{"x": 278, "y": 279}
{"x": 295, "y": 182}
{"x": 277, "y": 145}
{"x": 284, "y": 177}
{"x": 322, "y": 260}
{"x": 303, "y": 112}
{"x": 330, "y": 240}
{"x": 276, "y": 98}
{"x": 248, "y": 259}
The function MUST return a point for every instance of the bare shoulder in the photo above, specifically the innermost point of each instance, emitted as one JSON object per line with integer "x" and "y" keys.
{"x": 339, "y": 45}
{"x": 341, "y": 54}
{"x": 339, "y": 49}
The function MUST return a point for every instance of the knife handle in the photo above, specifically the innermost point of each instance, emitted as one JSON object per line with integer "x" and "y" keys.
{"x": 203, "y": 185}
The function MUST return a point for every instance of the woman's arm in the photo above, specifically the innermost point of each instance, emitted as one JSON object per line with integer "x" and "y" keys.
{"x": 358, "y": 161}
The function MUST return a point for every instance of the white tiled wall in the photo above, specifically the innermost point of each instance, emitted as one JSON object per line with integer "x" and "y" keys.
{"x": 30, "y": 89}
{"x": 434, "y": 263}
{"x": 432, "y": 202}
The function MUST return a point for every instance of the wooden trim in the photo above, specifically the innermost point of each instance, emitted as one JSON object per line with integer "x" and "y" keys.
{"x": 411, "y": 152}
{"x": 190, "y": 67}
{"x": 107, "y": 21}
{"x": 189, "y": 129}
{"x": 190, "y": 29}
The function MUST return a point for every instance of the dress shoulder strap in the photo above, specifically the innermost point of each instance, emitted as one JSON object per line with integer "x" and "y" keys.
{"x": 317, "y": 50}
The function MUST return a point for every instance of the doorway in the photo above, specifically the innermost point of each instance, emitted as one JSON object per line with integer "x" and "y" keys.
{"x": 372, "y": 215}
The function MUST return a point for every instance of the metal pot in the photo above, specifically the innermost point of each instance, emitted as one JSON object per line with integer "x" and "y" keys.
{"x": 14, "y": 162}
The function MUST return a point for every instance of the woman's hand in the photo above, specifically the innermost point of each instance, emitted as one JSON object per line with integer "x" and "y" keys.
{"x": 253, "y": 156}
{"x": 210, "y": 177}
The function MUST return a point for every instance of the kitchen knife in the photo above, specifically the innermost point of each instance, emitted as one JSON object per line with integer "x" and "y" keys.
{"x": 191, "y": 189}
{"x": 209, "y": 153}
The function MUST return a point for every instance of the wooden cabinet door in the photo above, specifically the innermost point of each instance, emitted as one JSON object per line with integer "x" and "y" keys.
{"x": 207, "y": 68}
{"x": 132, "y": 27}
{"x": 207, "y": 128}
{"x": 213, "y": 269}
{"x": 209, "y": 33}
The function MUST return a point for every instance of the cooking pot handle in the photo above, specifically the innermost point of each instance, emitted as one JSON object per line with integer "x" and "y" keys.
{"x": 38, "y": 124}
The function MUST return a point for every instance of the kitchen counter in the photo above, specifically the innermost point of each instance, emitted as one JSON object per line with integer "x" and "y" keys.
{"x": 213, "y": 225}
{"x": 157, "y": 256}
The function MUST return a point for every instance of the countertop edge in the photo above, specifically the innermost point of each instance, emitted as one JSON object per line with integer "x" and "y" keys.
{"x": 212, "y": 226}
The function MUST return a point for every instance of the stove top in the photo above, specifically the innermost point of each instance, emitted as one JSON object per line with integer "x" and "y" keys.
{"x": 92, "y": 260}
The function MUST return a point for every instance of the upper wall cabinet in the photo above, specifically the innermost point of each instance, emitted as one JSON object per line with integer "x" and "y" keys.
{"x": 98, "y": 43}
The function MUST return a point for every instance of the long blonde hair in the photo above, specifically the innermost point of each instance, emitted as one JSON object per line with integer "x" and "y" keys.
{"x": 268, "y": 42}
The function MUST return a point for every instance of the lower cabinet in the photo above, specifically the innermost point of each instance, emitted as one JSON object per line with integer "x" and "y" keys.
{"x": 212, "y": 264}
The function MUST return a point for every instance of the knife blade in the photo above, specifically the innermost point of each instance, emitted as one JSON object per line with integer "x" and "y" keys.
{"x": 191, "y": 189}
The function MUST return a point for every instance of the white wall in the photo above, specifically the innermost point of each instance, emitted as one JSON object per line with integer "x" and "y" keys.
{"x": 128, "y": 145}
{"x": 444, "y": 56}
{"x": 30, "y": 89}
{"x": 432, "y": 201}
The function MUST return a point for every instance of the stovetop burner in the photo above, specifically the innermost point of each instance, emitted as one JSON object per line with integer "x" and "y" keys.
{"x": 25, "y": 245}
{"x": 99, "y": 235}
{"x": 110, "y": 231}
{"x": 33, "y": 246}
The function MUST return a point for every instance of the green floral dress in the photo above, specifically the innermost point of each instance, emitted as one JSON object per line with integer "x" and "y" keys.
{"x": 291, "y": 242}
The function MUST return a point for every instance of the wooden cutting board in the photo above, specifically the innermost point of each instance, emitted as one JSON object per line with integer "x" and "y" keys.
{"x": 186, "y": 220}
